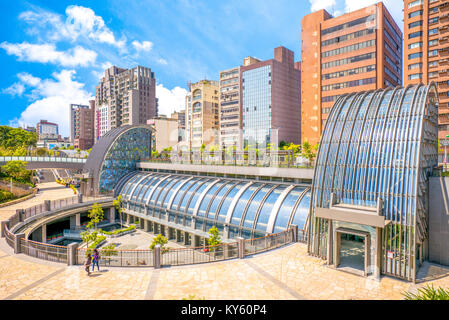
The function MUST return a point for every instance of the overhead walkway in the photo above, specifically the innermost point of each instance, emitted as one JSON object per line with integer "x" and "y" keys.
{"x": 47, "y": 162}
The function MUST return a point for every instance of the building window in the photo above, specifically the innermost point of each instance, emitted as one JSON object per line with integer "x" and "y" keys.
{"x": 415, "y": 13}
{"x": 415, "y": 55}
{"x": 433, "y": 74}
{"x": 415, "y": 24}
{"x": 415, "y": 76}
{"x": 433, "y": 20}
{"x": 433, "y": 53}
{"x": 415, "y": 3}
{"x": 414, "y": 66}
{"x": 433, "y": 31}
{"x": 415, "y": 45}
{"x": 433, "y": 64}
{"x": 433, "y": 43}
{"x": 350, "y": 48}
{"x": 415, "y": 34}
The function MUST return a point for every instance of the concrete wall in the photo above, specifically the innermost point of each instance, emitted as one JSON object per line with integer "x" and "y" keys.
{"x": 439, "y": 220}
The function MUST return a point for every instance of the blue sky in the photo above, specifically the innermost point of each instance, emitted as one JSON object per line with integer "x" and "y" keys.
{"x": 54, "y": 52}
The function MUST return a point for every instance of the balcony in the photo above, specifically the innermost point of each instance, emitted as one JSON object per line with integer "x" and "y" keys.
{"x": 444, "y": 7}
{"x": 444, "y": 18}
{"x": 444, "y": 62}
{"x": 443, "y": 73}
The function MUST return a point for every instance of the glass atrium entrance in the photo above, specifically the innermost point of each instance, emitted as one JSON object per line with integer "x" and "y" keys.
{"x": 352, "y": 252}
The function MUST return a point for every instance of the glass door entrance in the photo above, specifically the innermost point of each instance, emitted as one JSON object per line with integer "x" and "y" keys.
{"x": 352, "y": 252}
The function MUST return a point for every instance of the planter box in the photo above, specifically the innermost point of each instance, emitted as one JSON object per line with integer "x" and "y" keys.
{"x": 120, "y": 234}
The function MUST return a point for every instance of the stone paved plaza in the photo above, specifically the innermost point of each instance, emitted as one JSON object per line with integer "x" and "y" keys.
{"x": 285, "y": 273}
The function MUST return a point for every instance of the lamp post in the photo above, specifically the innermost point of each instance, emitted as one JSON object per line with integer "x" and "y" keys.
{"x": 445, "y": 153}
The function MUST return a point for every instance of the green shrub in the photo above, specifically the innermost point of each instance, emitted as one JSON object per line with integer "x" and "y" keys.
{"x": 118, "y": 231}
{"x": 97, "y": 241}
{"x": 6, "y": 196}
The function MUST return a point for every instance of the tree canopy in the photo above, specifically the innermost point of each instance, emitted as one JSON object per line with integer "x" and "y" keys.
{"x": 15, "y": 141}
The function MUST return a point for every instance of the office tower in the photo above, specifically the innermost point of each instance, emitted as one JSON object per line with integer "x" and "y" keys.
{"x": 202, "y": 121}
{"x": 357, "y": 51}
{"x": 124, "y": 97}
{"x": 230, "y": 109}
{"x": 271, "y": 100}
{"x": 426, "y": 52}
{"x": 82, "y": 125}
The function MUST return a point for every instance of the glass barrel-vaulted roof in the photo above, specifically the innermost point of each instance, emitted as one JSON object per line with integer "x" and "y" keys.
{"x": 250, "y": 205}
{"x": 378, "y": 145}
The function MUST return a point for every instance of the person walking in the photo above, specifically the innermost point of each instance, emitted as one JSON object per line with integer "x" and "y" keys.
{"x": 87, "y": 263}
{"x": 96, "y": 258}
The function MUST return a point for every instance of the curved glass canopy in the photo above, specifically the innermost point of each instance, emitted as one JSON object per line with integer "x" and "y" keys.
{"x": 377, "y": 151}
{"x": 251, "y": 208}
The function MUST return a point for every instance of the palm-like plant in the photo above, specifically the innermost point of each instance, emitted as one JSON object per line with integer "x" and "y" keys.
{"x": 428, "y": 293}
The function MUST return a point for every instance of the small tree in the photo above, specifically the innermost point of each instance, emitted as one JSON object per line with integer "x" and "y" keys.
{"x": 309, "y": 152}
{"x": 17, "y": 170}
{"x": 161, "y": 240}
{"x": 89, "y": 235}
{"x": 96, "y": 215}
{"x": 214, "y": 237}
{"x": 118, "y": 204}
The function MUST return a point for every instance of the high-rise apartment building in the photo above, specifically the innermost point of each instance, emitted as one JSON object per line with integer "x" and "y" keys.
{"x": 426, "y": 52}
{"x": 47, "y": 130}
{"x": 82, "y": 125}
{"x": 202, "y": 118}
{"x": 357, "y": 51}
{"x": 271, "y": 100}
{"x": 124, "y": 97}
{"x": 230, "y": 109}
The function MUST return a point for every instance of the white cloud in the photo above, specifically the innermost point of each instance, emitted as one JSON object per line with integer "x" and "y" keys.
{"x": 321, "y": 4}
{"x": 170, "y": 100}
{"x": 162, "y": 61}
{"x": 16, "y": 89}
{"x": 53, "y": 99}
{"x": 47, "y": 53}
{"x": 142, "y": 46}
{"x": 80, "y": 22}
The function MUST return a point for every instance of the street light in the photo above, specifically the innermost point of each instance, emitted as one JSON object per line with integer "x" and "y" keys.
{"x": 445, "y": 153}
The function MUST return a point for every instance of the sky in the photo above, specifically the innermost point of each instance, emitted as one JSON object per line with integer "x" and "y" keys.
{"x": 54, "y": 52}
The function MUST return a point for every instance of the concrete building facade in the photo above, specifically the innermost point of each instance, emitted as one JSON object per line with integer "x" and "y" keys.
{"x": 165, "y": 133}
{"x": 357, "y": 51}
{"x": 230, "y": 109}
{"x": 47, "y": 130}
{"x": 202, "y": 114}
{"x": 270, "y": 99}
{"x": 426, "y": 52}
{"x": 82, "y": 125}
{"x": 124, "y": 97}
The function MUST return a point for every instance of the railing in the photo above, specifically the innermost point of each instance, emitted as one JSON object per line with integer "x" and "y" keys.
{"x": 44, "y": 251}
{"x": 273, "y": 241}
{"x": 183, "y": 256}
{"x": 119, "y": 258}
{"x": 235, "y": 158}
{"x": 43, "y": 159}
{"x": 188, "y": 256}
{"x": 9, "y": 236}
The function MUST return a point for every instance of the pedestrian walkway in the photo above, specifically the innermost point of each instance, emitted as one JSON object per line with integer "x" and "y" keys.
{"x": 47, "y": 191}
{"x": 285, "y": 273}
